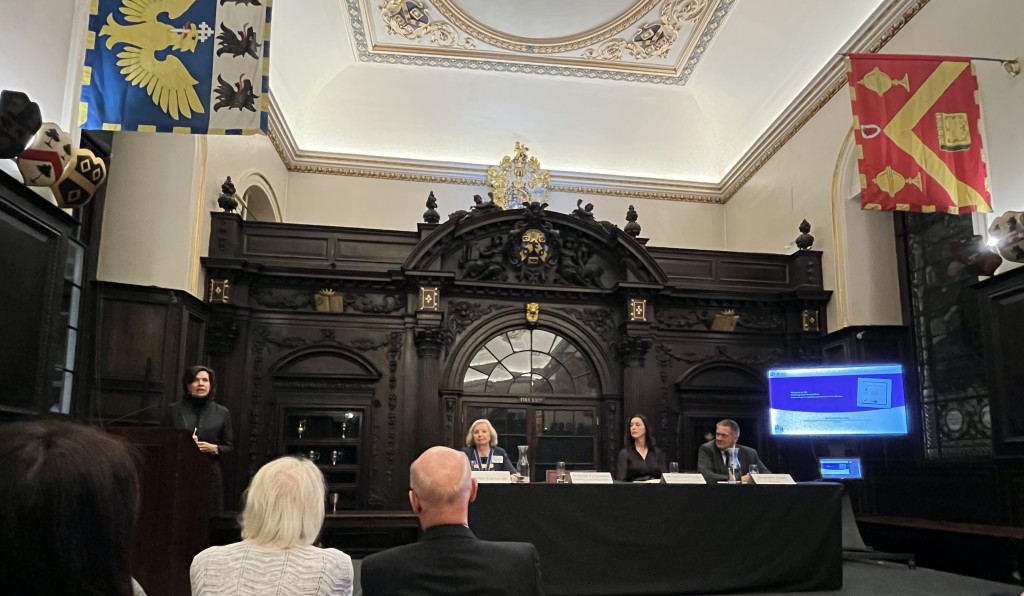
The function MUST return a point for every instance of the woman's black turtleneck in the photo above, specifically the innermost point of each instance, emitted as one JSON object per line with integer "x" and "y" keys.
{"x": 211, "y": 421}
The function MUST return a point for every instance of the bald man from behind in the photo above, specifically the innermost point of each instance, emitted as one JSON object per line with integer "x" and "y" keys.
{"x": 449, "y": 558}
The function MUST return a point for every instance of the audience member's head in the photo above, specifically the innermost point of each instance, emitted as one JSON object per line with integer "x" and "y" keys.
{"x": 284, "y": 504}
{"x": 441, "y": 487}
{"x": 727, "y": 433}
{"x": 68, "y": 504}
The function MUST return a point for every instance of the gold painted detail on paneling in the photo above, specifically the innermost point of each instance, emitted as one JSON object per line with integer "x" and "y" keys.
{"x": 411, "y": 19}
{"x": 430, "y": 298}
{"x": 652, "y": 39}
{"x": 638, "y": 310}
{"x": 518, "y": 179}
{"x": 220, "y": 292}
{"x": 552, "y": 45}
{"x": 532, "y": 313}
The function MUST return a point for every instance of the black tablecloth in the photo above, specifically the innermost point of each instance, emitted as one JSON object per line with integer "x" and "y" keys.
{"x": 671, "y": 539}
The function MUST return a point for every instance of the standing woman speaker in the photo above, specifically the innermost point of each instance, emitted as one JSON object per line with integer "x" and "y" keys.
{"x": 209, "y": 423}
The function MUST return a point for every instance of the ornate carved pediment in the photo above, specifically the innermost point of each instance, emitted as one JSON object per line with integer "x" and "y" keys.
{"x": 535, "y": 247}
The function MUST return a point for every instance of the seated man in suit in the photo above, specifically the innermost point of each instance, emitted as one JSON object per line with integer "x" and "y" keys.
{"x": 712, "y": 459}
{"x": 449, "y": 559}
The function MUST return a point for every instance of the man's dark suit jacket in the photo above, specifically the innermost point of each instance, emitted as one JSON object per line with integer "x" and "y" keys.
{"x": 452, "y": 560}
{"x": 712, "y": 466}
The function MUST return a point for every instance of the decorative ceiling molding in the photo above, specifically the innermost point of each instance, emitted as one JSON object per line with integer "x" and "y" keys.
{"x": 454, "y": 44}
{"x": 889, "y": 20}
{"x": 551, "y": 45}
{"x": 413, "y": 170}
{"x": 871, "y": 38}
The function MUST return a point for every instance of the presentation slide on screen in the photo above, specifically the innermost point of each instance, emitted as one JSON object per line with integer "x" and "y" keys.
{"x": 855, "y": 400}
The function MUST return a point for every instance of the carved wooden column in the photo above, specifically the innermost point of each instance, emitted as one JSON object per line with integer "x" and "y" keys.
{"x": 632, "y": 349}
{"x": 429, "y": 339}
{"x": 633, "y": 352}
{"x": 428, "y": 349}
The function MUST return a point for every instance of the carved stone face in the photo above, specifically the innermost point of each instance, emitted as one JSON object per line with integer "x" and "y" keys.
{"x": 534, "y": 248}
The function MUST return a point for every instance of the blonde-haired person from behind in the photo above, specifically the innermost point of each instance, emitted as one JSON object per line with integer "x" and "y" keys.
{"x": 284, "y": 511}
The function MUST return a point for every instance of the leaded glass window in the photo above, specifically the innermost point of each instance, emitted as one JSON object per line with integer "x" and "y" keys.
{"x": 528, "y": 362}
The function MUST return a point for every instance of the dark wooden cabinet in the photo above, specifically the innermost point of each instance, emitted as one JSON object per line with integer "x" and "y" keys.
{"x": 40, "y": 264}
{"x": 1002, "y": 318}
{"x": 332, "y": 437}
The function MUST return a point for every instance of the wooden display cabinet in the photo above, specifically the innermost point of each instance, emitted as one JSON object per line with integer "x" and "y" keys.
{"x": 333, "y": 439}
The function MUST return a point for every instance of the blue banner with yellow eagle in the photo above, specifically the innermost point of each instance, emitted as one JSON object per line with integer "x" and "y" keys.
{"x": 184, "y": 66}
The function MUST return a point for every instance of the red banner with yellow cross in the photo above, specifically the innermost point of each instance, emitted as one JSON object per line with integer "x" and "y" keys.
{"x": 917, "y": 123}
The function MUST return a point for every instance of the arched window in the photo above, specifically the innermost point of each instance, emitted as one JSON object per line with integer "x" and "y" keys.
{"x": 257, "y": 205}
{"x": 529, "y": 362}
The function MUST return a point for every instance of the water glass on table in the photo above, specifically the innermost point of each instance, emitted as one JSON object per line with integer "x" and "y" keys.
{"x": 560, "y": 476}
{"x": 673, "y": 467}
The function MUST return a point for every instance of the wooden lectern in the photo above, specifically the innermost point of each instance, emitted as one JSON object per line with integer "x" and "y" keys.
{"x": 173, "y": 523}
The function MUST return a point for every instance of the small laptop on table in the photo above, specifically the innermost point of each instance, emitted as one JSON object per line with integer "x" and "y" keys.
{"x": 840, "y": 468}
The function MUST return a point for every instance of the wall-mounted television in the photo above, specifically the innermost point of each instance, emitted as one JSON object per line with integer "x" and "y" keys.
{"x": 837, "y": 401}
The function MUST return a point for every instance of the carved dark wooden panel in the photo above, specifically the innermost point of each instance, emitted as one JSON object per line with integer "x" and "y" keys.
{"x": 740, "y": 271}
{"x": 584, "y": 288}
{"x": 146, "y": 338}
{"x": 751, "y": 271}
{"x": 265, "y": 245}
{"x": 1002, "y": 311}
{"x": 133, "y": 336}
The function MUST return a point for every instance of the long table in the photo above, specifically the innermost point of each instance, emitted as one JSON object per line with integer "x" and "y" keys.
{"x": 671, "y": 539}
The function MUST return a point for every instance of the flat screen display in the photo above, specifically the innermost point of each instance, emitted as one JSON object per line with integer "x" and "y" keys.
{"x": 837, "y": 401}
{"x": 840, "y": 468}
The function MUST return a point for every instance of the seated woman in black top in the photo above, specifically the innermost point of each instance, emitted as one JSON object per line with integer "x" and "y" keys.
{"x": 640, "y": 459}
{"x": 482, "y": 450}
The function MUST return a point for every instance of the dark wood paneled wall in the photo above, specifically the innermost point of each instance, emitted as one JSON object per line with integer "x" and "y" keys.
{"x": 144, "y": 338}
{"x": 263, "y": 311}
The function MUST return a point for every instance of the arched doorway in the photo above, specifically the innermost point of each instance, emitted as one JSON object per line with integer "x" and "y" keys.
{"x": 538, "y": 389}
{"x": 715, "y": 390}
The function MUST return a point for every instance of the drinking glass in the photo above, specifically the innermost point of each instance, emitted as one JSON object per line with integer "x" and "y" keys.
{"x": 673, "y": 467}
{"x": 754, "y": 470}
{"x": 560, "y": 472}
{"x": 523, "y": 465}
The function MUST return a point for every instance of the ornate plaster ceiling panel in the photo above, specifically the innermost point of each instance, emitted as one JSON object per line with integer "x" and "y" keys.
{"x": 646, "y": 41}
{"x": 340, "y": 107}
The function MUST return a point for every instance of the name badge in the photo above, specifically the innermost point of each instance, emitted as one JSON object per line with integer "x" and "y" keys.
{"x": 684, "y": 478}
{"x": 489, "y": 477}
{"x": 497, "y": 459}
{"x": 590, "y": 477}
{"x": 771, "y": 479}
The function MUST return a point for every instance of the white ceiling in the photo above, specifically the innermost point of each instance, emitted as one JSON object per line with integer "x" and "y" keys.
{"x": 452, "y": 92}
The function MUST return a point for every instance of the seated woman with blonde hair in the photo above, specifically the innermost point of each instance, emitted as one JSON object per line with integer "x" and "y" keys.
{"x": 483, "y": 451}
{"x": 284, "y": 511}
